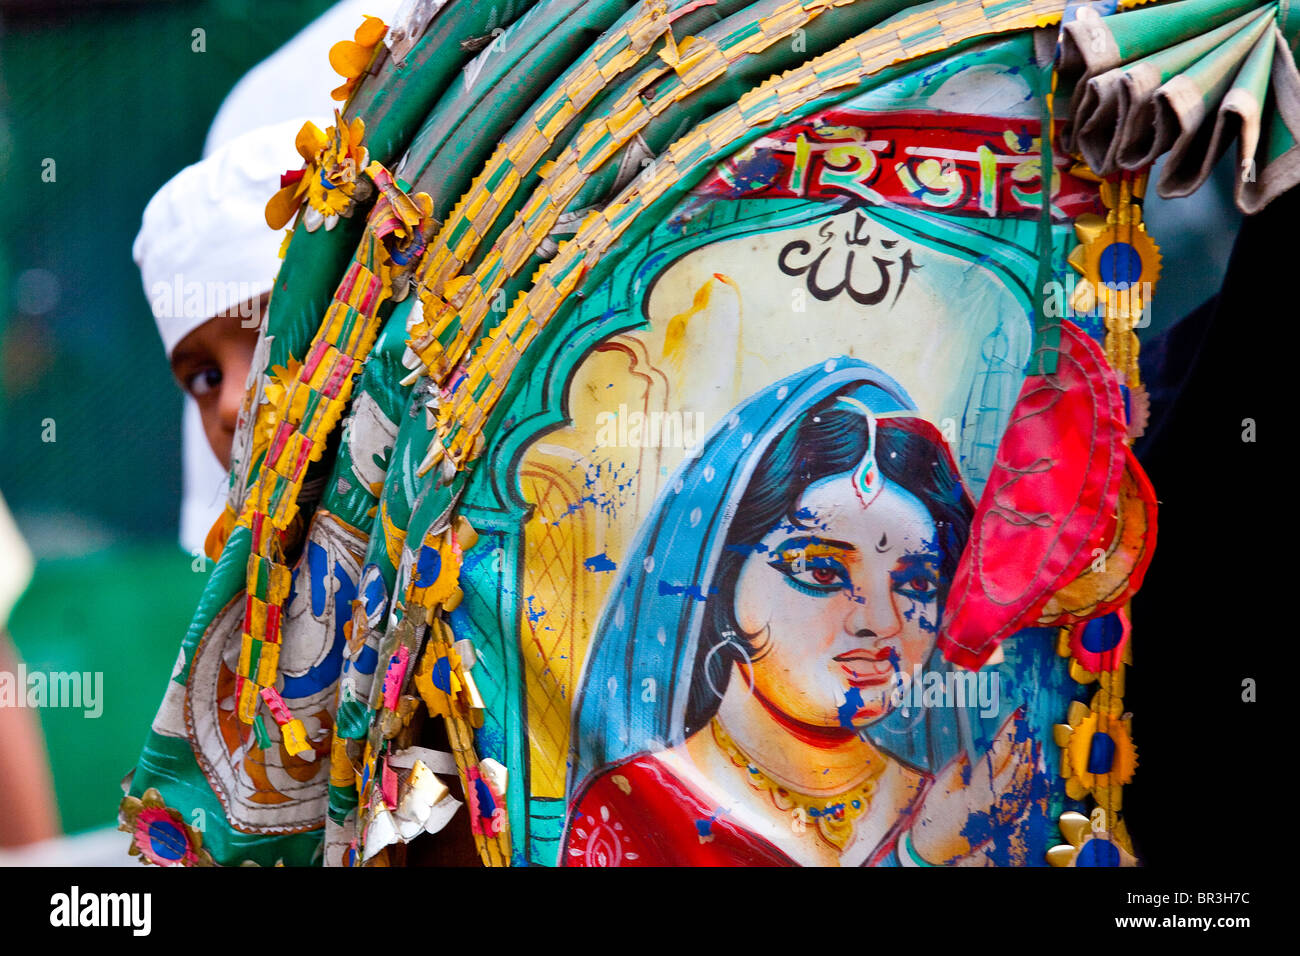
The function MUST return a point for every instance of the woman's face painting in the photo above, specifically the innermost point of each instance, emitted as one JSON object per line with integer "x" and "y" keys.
{"x": 841, "y": 604}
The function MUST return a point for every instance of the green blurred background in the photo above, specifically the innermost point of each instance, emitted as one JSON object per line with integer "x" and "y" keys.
{"x": 115, "y": 94}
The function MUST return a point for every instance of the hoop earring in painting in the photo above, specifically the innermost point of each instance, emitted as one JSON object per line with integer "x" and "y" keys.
{"x": 708, "y": 675}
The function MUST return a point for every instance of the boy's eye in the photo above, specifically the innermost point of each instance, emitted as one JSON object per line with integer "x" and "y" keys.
{"x": 203, "y": 382}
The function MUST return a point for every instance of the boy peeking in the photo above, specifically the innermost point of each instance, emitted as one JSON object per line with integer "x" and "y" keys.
{"x": 208, "y": 261}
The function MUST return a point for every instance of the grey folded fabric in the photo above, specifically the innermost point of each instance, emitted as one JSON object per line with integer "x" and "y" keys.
{"x": 1186, "y": 79}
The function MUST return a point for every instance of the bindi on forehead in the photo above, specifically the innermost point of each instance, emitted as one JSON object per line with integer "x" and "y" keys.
{"x": 895, "y": 522}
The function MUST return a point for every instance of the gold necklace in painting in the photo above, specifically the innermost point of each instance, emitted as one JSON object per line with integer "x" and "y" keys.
{"x": 835, "y": 816}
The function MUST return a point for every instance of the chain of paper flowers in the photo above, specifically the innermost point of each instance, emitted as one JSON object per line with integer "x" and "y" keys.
{"x": 1119, "y": 264}
{"x": 395, "y": 801}
{"x": 304, "y": 400}
{"x": 331, "y": 182}
{"x": 393, "y": 786}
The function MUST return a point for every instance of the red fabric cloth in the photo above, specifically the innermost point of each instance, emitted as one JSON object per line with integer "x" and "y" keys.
{"x": 1049, "y": 502}
{"x": 640, "y": 814}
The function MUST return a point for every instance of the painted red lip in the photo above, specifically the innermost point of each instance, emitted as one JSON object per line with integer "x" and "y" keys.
{"x": 858, "y": 679}
{"x": 862, "y": 654}
{"x": 865, "y": 668}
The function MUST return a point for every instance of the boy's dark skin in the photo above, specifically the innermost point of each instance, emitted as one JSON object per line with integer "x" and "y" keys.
{"x": 211, "y": 364}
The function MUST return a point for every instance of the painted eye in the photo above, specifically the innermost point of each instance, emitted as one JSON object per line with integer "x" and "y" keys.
{"x": 921, "y": 585}
{"x": 818, "y": 576}
{"x": 204, "y": 383}
{"x": 824, "y": 576}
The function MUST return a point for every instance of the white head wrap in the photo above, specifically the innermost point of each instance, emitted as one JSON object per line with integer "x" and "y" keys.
{"x": 204, "y": 246}
{"x": 296, "y": 79}
{"x": 15, "y": 564}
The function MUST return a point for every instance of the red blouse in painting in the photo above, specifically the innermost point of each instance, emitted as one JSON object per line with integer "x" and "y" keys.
{"x": 640, "y": 814}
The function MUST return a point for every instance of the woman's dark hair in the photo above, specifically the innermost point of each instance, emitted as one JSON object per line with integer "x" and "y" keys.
{"x": 825, "y": 441}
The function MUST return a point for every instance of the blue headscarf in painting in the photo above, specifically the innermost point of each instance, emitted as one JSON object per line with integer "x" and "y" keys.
{"x": 634, "y": 695}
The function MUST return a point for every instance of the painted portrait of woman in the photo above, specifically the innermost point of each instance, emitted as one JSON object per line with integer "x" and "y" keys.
{"x": 739, "y": 704}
